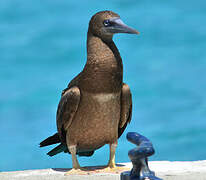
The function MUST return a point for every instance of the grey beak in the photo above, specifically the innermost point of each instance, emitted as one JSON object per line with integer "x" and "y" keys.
{"x": 118, "y": 26}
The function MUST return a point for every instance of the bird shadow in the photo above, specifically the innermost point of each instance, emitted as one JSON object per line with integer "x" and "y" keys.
{"x": 87, "y": 168}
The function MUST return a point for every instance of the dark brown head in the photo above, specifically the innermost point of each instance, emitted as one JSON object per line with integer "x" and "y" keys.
{"x": 105, "y": 24}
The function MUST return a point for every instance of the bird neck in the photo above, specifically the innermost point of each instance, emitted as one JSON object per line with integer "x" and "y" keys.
{"x": 102, "y": 51}
{"x": 104, "y": 63}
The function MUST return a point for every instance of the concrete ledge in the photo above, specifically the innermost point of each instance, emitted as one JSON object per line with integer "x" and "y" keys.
{"x": 164, "y": 169}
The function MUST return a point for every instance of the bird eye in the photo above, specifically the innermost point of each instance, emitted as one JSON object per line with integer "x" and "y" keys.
{"x": 106, "y": 23}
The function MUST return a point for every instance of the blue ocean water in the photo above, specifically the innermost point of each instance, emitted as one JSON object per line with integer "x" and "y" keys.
{"x": 43, "y": 46}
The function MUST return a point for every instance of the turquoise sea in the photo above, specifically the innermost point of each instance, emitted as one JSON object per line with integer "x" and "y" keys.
{"x": 43, "y": 46}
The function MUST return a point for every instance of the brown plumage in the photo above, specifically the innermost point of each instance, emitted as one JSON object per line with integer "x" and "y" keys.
{"x": 96, "y": 106}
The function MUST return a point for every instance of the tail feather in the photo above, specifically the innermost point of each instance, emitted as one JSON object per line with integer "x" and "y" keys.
{"x": 50, "y": 140}
{"x": 60, "y": 148}
{"x": 87, "y": 153}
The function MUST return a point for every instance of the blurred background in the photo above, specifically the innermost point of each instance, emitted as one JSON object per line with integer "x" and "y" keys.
{"x": 43, "y": 46}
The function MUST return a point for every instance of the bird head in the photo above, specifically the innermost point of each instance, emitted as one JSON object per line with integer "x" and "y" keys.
{"x": 105, "y": 24}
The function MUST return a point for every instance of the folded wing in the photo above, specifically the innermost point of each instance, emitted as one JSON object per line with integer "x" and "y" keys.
{"x": 126, "y": 109}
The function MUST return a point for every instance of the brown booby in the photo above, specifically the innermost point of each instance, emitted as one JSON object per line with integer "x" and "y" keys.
{"x": 96, "y": 107}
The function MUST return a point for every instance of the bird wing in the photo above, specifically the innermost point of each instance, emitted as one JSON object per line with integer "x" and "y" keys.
{"x": 126, "y": 109}
{"x": 67, "y": 108}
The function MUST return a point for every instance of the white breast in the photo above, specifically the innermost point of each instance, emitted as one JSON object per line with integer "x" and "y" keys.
{"x": 102, "y": 98}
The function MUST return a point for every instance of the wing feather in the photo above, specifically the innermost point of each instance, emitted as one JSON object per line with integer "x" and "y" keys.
{"x": 67, "y": 108}
{"x": 126, "y": 109}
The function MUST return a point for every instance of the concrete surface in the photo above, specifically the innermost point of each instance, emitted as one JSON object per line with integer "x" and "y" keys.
{"x": 164, "y": 169}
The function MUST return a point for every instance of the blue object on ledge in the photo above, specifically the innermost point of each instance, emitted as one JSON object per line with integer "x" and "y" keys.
{"x": 139, "y": 158}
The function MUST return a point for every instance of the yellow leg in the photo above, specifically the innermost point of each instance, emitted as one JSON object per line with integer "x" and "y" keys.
{"x": 76, "y": 169}
{"x": 75, "y": 163}
{"x": 111, "y": 163}
{"x": 111, "y": 167}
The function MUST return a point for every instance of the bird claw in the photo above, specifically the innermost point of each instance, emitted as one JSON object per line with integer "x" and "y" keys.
{"x": 114, "y": 169}
{"x": 80, "y": 171}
